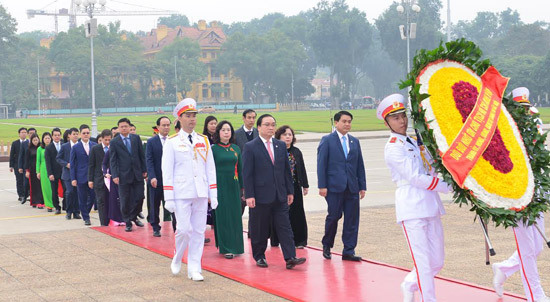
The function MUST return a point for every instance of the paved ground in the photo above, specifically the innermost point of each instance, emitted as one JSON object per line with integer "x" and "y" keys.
{"x": 46, "y": 258}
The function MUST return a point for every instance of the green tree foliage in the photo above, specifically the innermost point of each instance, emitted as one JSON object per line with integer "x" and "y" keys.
{"x": 174, "y": 20}
{"x": 186, "y": 53}
{"x": 340, "y": 37}
{"x": 428, "y": 28}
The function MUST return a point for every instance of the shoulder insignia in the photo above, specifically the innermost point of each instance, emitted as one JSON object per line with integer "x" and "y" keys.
{"x": 173, "y": 135}
{"x": 393, "y": 139}
{"x": 200, "y": 134}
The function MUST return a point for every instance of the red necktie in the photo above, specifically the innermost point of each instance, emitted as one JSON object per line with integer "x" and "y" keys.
{"x": 269, "y": 151}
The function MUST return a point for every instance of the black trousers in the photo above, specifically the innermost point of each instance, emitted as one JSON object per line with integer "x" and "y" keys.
{"x": 72, "y": 206}
{"x": 260, "y": 222}
{"x": 55, "y": 195}
{"x": 129, "y": 195}
{"x": 102, "y": 208}
{"x": 298, "y": 221}
{"x": 346, "y": 203}
{"x": 155, "y": 199}
{"x": 20, "y": 183}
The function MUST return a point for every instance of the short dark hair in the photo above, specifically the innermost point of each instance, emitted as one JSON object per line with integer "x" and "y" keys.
{"x": 56, "y": 130}
{"x": 124, "y": 120}
{"x": 339, "y": 114}
{"x": 106, "y": 132}
{"x": 282, "y": 130}
{"x": 132, "y": 125}
{"x": 160, "y": 119}
{"x": 31, "y": 129}
{"x": 73, "y": 129}
{"x": 207, "y": 120}
{"x": 83, "y": 126}
{"x": 247, "y": 111}
{"x": 177, "y": 125}
{"x": 259, "y": 120}
{"x": 219, "y": 128}
{"x": 114, "y": 128}
{"x": 21, "y": 129}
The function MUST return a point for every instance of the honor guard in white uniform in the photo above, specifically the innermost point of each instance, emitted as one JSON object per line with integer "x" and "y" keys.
{"x": 417, "y": 203}
{"x": 189, "y": 176}
{"x": 529, "y": 241}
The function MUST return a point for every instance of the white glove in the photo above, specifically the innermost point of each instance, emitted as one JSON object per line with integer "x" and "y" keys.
{"x": 170, "y": 206}
{"x": 213, "y": 203}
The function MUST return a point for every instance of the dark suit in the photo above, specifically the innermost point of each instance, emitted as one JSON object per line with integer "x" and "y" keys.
{"x": 153, "y": 157}
{"x": 21, "y": 165}
{"x": 241, "y": 137}
{"x": 63, "y": 158}
{"x": 129, "y": 168}
{"x": 269, "y": 183}
{"x": 79, "y": 172}
{"x": 343, "y": 178}
{"x": 55, "y": 169}
{"x": 14, "y": 164}
{"x": 95, "y": 174}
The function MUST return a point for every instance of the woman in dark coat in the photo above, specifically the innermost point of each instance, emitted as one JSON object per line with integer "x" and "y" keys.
{"x": 301, "y": 185}
{"x": 30, "y": 168}
{"x": 209, "y": 128}
{"x": 112, "y": 199}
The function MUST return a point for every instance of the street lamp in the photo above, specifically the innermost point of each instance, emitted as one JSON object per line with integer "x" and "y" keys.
{"x": 408, "y": 32}
{"x": 90, "y": 7}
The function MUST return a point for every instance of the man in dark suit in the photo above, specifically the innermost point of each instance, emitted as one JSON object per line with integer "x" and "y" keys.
{"x": 269, "y": 191}
{"x": 54, "y": 168}
{"x": 80, "y": 157}
{"x": 64, "y": 159}
{"x": 14, "y": 163}
{"x": 128, "y": 169}
{"x": 341, "y": 180}
{"x": 21, "y": 164}
{"x": 153, "y": 155}
{"x": 96, "y": 179}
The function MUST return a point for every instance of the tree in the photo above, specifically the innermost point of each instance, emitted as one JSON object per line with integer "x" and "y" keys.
{"x": 257, "y": 26}
{"x": 7, "y": 41}
{"x": 340, "y": 37}
{"x": 35, "y": 36}
{"x": 174, "y": 20}
{"x": 189, "y": 68}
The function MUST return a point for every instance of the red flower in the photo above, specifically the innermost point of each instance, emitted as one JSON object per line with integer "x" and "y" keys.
{"x": 465, "y": 96}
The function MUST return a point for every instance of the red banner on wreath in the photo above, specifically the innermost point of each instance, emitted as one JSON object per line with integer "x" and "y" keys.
{"x": 479, "y": 128}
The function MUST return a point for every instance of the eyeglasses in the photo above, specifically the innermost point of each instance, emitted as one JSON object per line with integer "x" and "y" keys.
{"x": 270, "y": 125}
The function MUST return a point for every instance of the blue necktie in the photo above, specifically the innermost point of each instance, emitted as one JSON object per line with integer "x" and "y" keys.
{"x": 105, "y": 149}
{"x": 345, "y": 146}
{"x": 127, "y": 143}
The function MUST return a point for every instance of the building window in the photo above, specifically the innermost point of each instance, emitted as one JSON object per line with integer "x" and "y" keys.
{"x": 64, "y": 84}
{"x": 204, "y": 91}
{"x": 227, "y": 90}
{"x": 204, "y": 54}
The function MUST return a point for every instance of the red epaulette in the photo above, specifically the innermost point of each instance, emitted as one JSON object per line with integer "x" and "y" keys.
{"x": 393, "y": 139}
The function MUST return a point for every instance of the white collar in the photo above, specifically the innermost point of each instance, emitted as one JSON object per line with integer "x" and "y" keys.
{"x": 104, "y": 146}
{"x": 248, "y": 130}
{"x": 340, "y": 135}
{"x": 72, "y": 144}
{"x": 265, "y": 141}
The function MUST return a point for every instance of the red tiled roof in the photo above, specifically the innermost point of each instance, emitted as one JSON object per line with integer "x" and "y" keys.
{"x": 211, "y": 37}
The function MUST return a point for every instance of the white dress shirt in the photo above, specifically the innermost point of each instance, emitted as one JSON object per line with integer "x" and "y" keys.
{"x": 340, "y": 135}
{"x": 271, "y": 146}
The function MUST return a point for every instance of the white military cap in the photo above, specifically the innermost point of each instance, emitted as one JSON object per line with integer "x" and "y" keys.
{"x": 185, "y": 105}
{"x": 521, "y": 95}
{"x": 391, "y": 104}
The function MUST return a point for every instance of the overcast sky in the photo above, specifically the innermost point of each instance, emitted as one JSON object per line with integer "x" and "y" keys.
{"x": 229, "y": 11}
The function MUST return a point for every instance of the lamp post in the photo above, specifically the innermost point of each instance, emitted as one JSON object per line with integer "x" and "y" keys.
{"x": 408, "y": 32}
{"x": 90, "y": 7}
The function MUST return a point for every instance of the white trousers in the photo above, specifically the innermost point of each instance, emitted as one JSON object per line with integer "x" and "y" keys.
{"x": 529, "y": 243}
{"x": 190, "y": 227}
{"x": 425, "y": 239}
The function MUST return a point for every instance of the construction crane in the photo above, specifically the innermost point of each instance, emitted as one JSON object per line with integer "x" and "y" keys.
{"x": 73, "y": 12}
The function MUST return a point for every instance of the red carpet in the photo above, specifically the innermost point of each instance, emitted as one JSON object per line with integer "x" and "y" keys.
{"x": 316, "y": 280}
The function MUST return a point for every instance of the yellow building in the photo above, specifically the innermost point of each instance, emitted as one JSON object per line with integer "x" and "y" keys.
{"x": 216, "y": 87}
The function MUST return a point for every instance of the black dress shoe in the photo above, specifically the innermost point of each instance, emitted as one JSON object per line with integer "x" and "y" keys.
{"x": 140, "y": 215}
{"x": 229, "y": 256}
{"x": 128, "y": 228}
{"x": 138, "y": 223}
{"x": 68, "y": 216}
{"x": 50, "y": 210}
{"x": 261, "y": 263}
{"x": 57, "y": 212}
{"x": 76, "y": 216}
{"x": 326, "y": 252}
{"x": 349, "y": 257}
{"x": 23, "y": 200}
{"x": 156, "y": 233}
{"x": 87, "y": 222}
{"x": 292, "y": 262}
{"x": 206, "y": 240}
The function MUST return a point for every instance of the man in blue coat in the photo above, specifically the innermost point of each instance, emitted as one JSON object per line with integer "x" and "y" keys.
{"x": 80, "y": 157}
{"x": 153, "y": 158}
{"x": 341, "y": 180}
{"x": 269, "y": 191}
{"x": 63, "y": 158}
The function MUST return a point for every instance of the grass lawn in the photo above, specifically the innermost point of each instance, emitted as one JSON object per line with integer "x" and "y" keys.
{"x": 301, "y": 121}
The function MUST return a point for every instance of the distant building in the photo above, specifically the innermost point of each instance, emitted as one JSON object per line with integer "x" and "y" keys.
{"x": 322, "y": 89}
{"x": 216, "y": 87}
